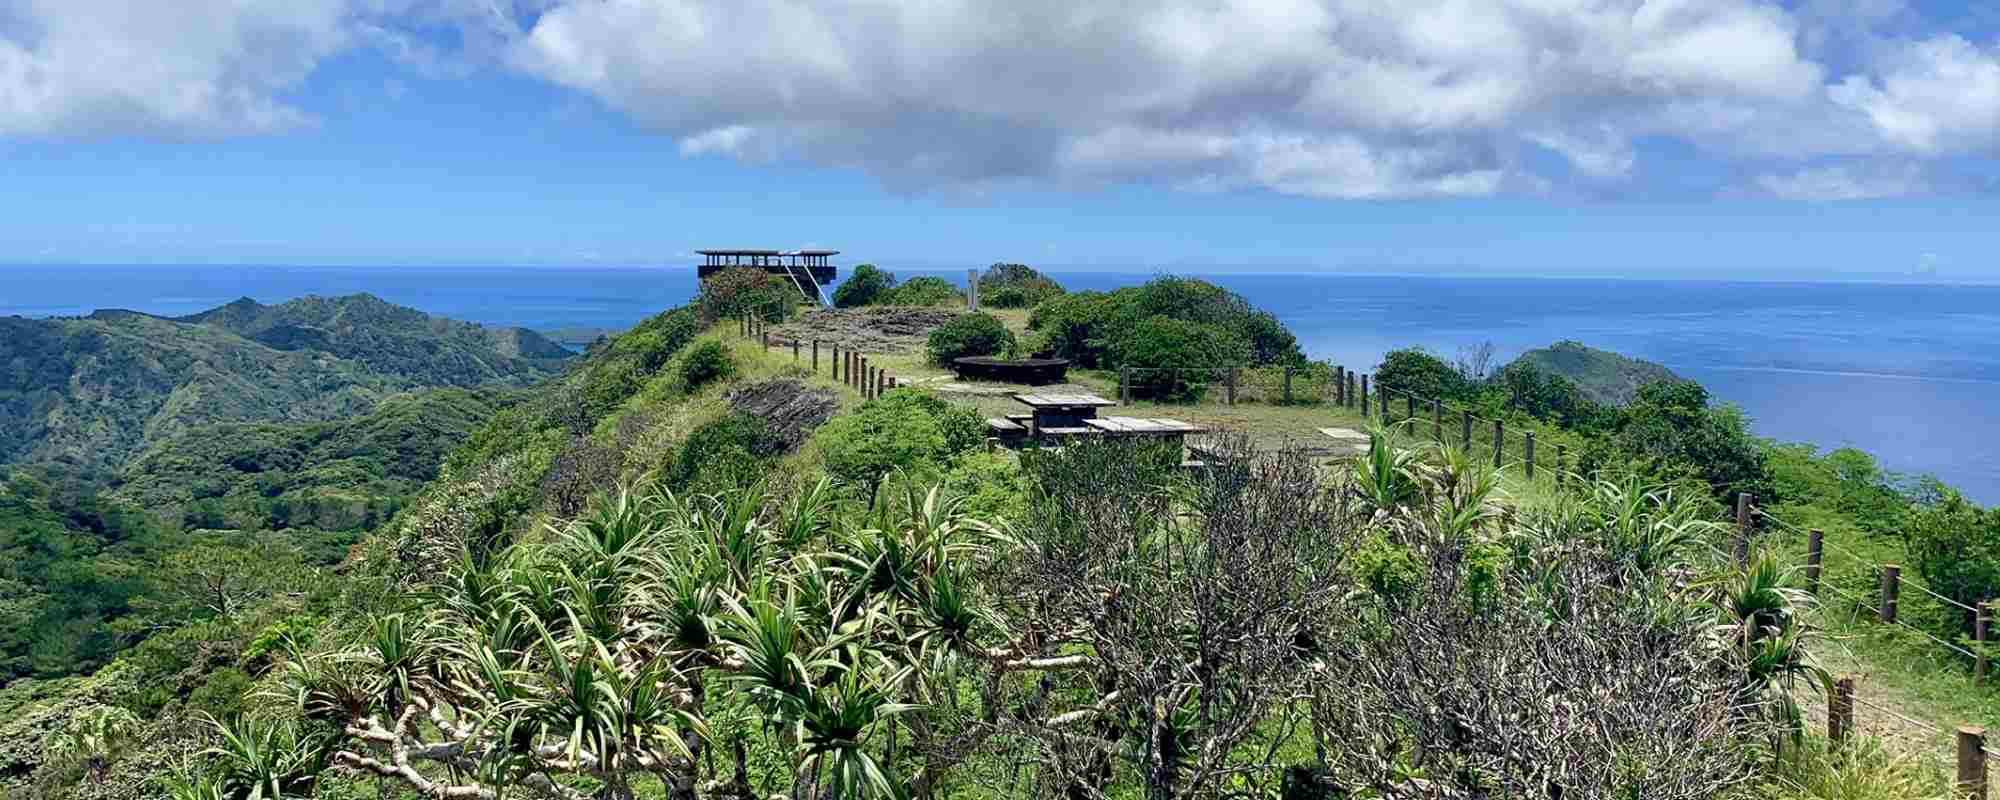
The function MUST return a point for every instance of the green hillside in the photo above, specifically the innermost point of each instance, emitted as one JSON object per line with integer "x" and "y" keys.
{"x": 89, "y": 393}
{"x": 345, "y": 475}
{"x": 1604, "y": 376}
{"x": 697, "y": 567}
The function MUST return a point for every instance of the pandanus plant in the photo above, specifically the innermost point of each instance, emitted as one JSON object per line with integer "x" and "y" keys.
{"x": 1763, "y": 618}
{"x": 94, "y": 738}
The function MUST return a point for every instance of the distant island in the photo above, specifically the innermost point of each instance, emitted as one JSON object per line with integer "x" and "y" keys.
{"x": 578, "y": 337}
{"x": 1604, "y": 376}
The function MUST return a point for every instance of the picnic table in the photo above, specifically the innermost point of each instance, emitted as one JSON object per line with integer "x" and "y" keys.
{"x": 1136, "y": 426}
{"x": 1054, "y": 412}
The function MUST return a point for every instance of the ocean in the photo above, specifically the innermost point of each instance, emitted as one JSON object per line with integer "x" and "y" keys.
{"x": 1906, "y": 372}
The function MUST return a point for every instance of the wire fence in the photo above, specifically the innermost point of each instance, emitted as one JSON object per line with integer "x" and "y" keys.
{"x": 1884, "y": 606}
{"x": 848, "y": 366}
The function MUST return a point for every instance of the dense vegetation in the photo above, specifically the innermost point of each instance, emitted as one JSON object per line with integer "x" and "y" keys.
{"x": 89, "y": 393}
{"x": 1669, "y": 429}
{"x": 869, "y": 285}
{"x": 349, "y": 475}
{"x": 691, "y": 569}
{"x": 135, "y": 442}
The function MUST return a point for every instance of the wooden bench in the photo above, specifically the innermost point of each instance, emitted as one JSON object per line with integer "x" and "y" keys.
{"x": 1004, "y": 427}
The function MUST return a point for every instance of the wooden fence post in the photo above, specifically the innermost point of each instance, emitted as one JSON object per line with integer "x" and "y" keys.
{"x": 1410, "y": 409}
{"x": 1892, "y": 585}
{"x": 1743, "y": 501}
{"x": 767, "y": 340}
{"x": 1972, "y": 762}
{"x": 833, "y": 361}
{"x": 865, "y": 375}
{"x": 1340, "y": 386}
{"x": 1231, "y": 378}
{"x": 1982, "y": 620}
{"x": 1125, "y": 385}
{"x": 1288, "y": 385}
{"x": 795, "y": 351}
{"x": 1562, "y": 457}
{"x": 1528, "y": 453}
{"x": 1364, "y": 397}
{"x": 815, "y": 356}
{"x": 1437, "y": 420}
{"x": 1815, "y": 552}
{"x": 1465, "y": 429}
{"x": 1840, "y": 710}
{"x": 1499, "y": 444}
{"x": 881, "y": 381}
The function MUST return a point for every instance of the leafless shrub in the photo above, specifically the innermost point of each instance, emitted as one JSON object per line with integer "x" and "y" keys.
{"x": 1527, "y": 672}
{"x": 1199, "y": 602}
{"x": 1475, "y": 362}
{"x": 583, "y": 468}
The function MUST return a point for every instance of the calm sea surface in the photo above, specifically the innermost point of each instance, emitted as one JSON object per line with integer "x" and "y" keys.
{"x": 1909, "y": 373}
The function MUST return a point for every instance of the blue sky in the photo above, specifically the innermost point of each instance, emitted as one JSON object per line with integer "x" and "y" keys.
{"x": 1654, "y": 138}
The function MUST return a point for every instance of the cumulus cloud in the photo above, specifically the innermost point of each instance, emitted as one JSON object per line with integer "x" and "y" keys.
{"x": 1322, "y": 98}
{"x": 1326, "y": 98}
{"x": 198, "y": 67}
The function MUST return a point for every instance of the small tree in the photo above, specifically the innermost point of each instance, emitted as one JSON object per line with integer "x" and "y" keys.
{"x": 1015, "y": 286}
{"x": 969, "y": 335}
{"x": 1415, "y": 371}
{"x": 1169, "y": 352}
{"x": 738, "y": 291}
{"x": 865, "y": 286}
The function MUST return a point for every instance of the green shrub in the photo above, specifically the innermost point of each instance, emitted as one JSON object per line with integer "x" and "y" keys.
{"x": 707, "y": 362}
{"x": 1088, "y": 327}
{"x": 903, "y": 429}
{"x": 865, "y": 286}
{"x": 928, "y": 290}
{"x": 726, "y": 453}
{"x": 1004, "y": 297}
{"x": 970, "y": 335}
{"x": 1414, "y": 370}
{"x": 738, "y": 291}
{"x": 993, "y": 485}
{"x": 1173, "y": 357}
{"x": 1015, "y": 286}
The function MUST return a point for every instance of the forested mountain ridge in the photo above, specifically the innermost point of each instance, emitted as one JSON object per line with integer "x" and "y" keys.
{"x": 89, "y": 393}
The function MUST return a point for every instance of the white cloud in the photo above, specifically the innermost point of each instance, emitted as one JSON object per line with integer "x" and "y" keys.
{"x": 1846, "y": 182}
{"x": 191, "y": 67}
{"x": 1328, "y": 98}
{"x": 1325, "y": 98}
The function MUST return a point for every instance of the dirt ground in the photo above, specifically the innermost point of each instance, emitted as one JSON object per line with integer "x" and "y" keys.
{"x": 868, "y": 330}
